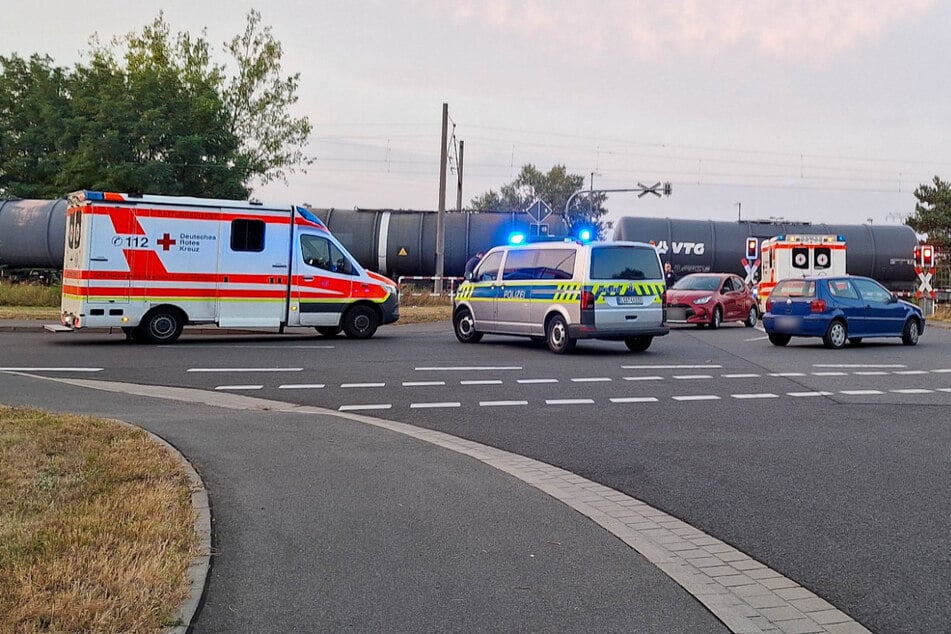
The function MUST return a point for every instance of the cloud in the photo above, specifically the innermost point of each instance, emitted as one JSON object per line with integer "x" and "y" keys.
{"x": 810, "y": 31}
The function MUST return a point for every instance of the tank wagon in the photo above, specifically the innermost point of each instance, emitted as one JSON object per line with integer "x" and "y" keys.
{"x": 403, "y": 243}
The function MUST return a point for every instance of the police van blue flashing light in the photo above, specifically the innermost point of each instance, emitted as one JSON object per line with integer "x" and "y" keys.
{"x": 584, "y": 235}
{"x": 516, "y": 237}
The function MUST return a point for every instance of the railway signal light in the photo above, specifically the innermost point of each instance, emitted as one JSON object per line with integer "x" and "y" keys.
{"x": 927, "y": 256}
{"x": 752, "y": 249}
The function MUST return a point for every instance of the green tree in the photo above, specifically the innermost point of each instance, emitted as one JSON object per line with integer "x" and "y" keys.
{"x": 555, "y": 188}
{"x": 933, "y": 213}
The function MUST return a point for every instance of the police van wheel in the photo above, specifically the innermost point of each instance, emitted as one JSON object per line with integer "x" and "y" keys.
{"x": 778, "y": 340}
{"x": 161, "y": 325}
{"x": 751, "y": 317}
{"x": 556, "y": 334}
{"x": 638, "y": 344}
{"x": 836, "y": 335}
{"x": 360, "y": 322}
{"x": 328, "y": 331}
{"x": 464, "y": 326}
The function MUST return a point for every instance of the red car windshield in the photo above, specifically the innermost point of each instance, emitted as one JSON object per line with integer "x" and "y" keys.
{"x": 697, "y": 283}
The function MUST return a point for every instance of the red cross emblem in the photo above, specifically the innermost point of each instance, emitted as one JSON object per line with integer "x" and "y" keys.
{"x": 166, "y": 242}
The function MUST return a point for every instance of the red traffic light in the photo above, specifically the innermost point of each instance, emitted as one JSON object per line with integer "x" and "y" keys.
{"x": 927, "y": 256}
{"x": 752, "y": 249}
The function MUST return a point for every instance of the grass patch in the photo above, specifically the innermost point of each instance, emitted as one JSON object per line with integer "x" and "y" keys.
{"x": 30, "y": 295}
{"x": 96, "y": 526}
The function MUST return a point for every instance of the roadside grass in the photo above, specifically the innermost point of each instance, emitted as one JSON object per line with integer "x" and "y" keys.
{"x": 96, "y": 526}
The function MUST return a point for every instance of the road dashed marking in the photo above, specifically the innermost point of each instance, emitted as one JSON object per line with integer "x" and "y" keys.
{"x": 569, "y": 401}
{"x": 434, "y": 405}
{"x": 361, "y": 385}
{"x": 751, "y": 396}
{"x": 501, "y": 403}
{"x": 301, "y": 386}
{"x": 357, "y": 408}
{"x": 423, "y": 383}
{"x": 697, "y": 397}
{"x": 239, "y": 387}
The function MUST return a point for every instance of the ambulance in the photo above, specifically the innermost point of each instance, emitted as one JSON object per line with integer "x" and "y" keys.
{"x": 152, "y": 264}
{"x": 798, "y": 255}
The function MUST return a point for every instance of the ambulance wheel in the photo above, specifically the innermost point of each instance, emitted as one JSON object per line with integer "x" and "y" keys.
{"x": 360, "y": 322}
{"x": 778, "y": 340}
{"x": 464, "y": 326}
{"x": 717, "y": 318}
{"x": 328, "y": 331}
{"x": 638, "y": 344}
{"x": 751, "y": 317}
{"x": 161, "y": 325}
{"x": 836, "y": 335}
{"x": 556, "y": 334}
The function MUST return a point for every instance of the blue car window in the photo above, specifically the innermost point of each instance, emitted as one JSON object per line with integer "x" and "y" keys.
{"x": 842, "y": 289}
{"x": 872, "y": 291}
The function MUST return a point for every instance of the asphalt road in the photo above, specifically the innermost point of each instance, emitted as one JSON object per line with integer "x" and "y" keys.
{"x": 829, "y": 466}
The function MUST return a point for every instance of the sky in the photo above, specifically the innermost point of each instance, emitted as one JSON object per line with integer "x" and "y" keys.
{"x": 809, "y": 110}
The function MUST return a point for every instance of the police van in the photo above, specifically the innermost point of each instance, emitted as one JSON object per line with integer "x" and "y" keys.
{"x": 559, "y": 292}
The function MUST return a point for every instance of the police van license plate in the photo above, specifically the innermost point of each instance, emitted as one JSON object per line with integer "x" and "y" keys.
{"x": 630, "y": 300}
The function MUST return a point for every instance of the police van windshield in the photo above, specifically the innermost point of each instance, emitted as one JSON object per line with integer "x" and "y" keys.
{"x": 625, "y": 263}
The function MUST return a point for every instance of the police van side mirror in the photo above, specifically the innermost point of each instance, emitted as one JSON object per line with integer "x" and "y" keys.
{"x": 470, "y": 276}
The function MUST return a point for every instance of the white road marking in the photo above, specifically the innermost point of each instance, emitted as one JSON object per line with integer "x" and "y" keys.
{"x": 942, "y": 370}
{"x": 746, "y": 396}
{"x": 434, "y": 405}
{"x": 569, "y": 401}
{"x": 363, "y": 385}
{"x": 245, "y": 370}
{"x": 944, "y": 389}
{"x": 910, "y": 372}
{"x": 670, "y": 367}
{"x": 592, "y": 379}
{"x": 33, "y": 369}
{"x": 422, "y": 383}
{"x": 829, "y": 373}
{"x": 643, "y": 378}
{"x": 870, "y": 373}
{"x": 536, "y": 380}
{"x": 634, "y": 399}
{"x": 239, "y": 387}
{"x": 740, "y": 376}
{"x": 861, "y": 392}
{"x": 757, "y": 339}
{"x": 355, "y": 408}
{"x": 858, "y": 365}
{"x": 787, "y": 374}
{"x": 483, "y": 382}
{"x": 466, "y": 368}
{"x": 501, "y": 403}
{"x": 697, "y": 397}
{"x": 809, "y": 394}
{"x": 913, "y": 390}
{"x": 692, "y": 376}
{"x": 300, "y": 386}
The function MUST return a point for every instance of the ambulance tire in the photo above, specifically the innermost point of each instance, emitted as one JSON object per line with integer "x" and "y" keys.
{"x": 328, "y": 331}
{"x": 162, "y": 325}
{"x": 638, "y": 344}
{"x": 778, "y": 339}
{"x": 360, "y": 322}
{"x": 464, "y": 326}
{"x": 836, "y": 335}
{"x": 556, "y": 334}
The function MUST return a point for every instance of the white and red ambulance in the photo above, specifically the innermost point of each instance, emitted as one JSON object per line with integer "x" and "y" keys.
{"x": 152, "y": 264}
{"x": 798, "y": 255}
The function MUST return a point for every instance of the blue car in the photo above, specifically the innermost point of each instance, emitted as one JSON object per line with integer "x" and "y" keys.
{"x": 839, "y": 309}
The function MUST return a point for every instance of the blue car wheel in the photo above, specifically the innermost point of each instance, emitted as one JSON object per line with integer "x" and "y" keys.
{"x": 836, "y": 335}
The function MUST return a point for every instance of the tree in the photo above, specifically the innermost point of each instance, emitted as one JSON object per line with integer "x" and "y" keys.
{"x": 150, "y": 112}
{"x": 933, "y": 213}
{"x": 555, "y": 188}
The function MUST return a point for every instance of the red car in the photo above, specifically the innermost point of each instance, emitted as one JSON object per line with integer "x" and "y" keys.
{"x": 711, "y": 299}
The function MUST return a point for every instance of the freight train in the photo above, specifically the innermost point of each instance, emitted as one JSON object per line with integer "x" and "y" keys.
{"x": 403, "y": 243}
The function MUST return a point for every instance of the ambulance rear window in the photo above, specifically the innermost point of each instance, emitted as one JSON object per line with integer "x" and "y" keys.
{"x": 795, "y": 288}
{"x": 247, "y": 235}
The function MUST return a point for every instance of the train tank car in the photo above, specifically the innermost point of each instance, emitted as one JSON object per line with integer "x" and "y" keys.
{"x": 882, "y": 252}
{"x": 32, "y": 233}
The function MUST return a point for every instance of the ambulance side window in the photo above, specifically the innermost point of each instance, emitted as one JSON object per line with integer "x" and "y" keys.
{"x": 247, "y": 235}
{"x": 324, "y": 254}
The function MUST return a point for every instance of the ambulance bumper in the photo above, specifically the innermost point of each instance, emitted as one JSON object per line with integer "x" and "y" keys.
{"x": 390, "y": 309}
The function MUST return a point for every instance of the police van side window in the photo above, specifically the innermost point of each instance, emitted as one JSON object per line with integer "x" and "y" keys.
{"x": 625, "y": 263}
{"x": 247, "y": 235}
{"x": 323, "y": 254}
{"x": 520, "y": 265}
{"x": 488, "y": 269}
{"x": 555, "y": 264}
